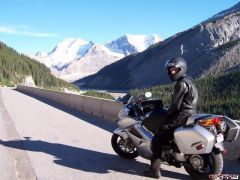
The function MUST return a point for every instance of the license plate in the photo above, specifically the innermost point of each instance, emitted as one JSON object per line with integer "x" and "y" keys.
{"x": 220, "y": 138}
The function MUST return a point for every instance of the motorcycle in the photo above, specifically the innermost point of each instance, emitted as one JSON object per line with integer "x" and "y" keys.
{"x": 197, "y": 146}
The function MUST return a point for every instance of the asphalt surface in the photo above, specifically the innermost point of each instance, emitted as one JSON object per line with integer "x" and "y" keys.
{"x": 42, "y": 140}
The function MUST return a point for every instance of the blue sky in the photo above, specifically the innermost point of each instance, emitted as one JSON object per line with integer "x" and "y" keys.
{"x": 38, "y": 25}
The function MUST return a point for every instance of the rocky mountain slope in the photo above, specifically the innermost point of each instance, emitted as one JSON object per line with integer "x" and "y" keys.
{"x": 210, "y": 48}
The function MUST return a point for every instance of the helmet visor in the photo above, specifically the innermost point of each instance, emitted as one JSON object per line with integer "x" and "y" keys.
{"x": 169, "y": 63}
{"x": 172, "y": 70}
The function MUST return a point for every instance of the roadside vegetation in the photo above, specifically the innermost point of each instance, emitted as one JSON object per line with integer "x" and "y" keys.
{"x": 15, "y": 67}
{"x": 98, "y": 94}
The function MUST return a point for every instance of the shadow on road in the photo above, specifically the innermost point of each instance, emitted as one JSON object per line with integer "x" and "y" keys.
{"x": 84, "y": 159}
{"x": 96, "y": 121}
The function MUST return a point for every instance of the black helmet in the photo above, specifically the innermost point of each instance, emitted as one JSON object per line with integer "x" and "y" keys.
{"x": 177, "y": 68}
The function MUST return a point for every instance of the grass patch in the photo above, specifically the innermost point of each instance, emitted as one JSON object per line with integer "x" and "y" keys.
{"x": 99, "y": 95}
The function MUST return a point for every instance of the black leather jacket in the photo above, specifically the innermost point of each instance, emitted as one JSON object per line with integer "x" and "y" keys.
{"x": 184, "y": 98}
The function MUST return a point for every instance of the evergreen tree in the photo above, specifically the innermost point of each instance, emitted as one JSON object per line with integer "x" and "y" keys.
{"x": 14, "y": 67}
{"x": 217, "y": 95}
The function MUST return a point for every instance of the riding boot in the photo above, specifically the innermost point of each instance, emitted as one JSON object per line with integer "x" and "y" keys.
{"x": 154, "y": 170}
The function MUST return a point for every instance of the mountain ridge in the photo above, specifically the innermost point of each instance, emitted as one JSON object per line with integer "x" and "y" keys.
{"x": 203, "y": 46}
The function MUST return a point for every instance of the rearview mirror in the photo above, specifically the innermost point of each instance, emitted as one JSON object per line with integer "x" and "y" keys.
{"x": 118, "y": 99}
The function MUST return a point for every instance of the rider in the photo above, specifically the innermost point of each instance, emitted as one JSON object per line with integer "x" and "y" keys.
{"x": 183, "y": 105}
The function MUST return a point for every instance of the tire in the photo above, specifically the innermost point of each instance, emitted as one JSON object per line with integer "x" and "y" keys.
{"x": 214, "y": 162}
{"x": 122, "y": 150}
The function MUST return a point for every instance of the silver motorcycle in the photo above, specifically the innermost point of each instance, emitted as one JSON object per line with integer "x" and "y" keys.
{"x": 198, "y": 146}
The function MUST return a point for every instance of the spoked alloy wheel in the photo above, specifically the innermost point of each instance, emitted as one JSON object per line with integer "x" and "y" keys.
{"x": 124, "y": 148}
{"x": 205, "y": 166}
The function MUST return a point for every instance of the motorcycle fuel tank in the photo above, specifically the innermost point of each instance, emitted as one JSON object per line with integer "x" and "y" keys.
{"x": 194, "y": 140}
{"x": 155, "y": 119}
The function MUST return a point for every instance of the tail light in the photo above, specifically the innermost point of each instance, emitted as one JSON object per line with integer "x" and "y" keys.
{"x": 210, "y": 122}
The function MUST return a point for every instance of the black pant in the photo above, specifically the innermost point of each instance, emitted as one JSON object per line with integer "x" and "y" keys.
{"x": 163, "y": 136}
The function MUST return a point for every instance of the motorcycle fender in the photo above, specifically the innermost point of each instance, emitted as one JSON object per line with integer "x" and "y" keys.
{"x": 119, "y": 131}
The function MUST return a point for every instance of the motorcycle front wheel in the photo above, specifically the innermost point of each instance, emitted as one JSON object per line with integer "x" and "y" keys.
{"x": 124, "y": 148}
{"x": 205, "y": 166}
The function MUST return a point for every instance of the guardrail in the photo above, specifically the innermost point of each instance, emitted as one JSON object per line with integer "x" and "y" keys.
{"x": 103, "y": 108}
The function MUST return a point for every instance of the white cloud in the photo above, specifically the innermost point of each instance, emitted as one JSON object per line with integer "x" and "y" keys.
{"x": 8, "y": 30}
{"x": 24, "y": 31}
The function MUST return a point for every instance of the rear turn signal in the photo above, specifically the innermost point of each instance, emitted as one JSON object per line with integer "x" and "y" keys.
{"x": 210, "y": 122}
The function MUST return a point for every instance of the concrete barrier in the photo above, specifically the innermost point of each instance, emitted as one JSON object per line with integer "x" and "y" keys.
{"x": 103, "y": 108}
{"x": 107, "y": 109}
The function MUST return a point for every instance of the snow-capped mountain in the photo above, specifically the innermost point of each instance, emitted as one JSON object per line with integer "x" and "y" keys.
{"x": 129, "y": 44}
{"x": 75, "y": 58}
{"x": 66, "y": 51}
{"x": 95, "y": 58}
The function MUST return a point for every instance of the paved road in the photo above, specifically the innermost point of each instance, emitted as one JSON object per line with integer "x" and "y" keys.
{"x": 45, "y": 141}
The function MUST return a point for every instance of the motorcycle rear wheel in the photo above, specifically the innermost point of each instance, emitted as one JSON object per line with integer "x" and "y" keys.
{"x": 213, "y": 166}
{"x": 123, "y": 148}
